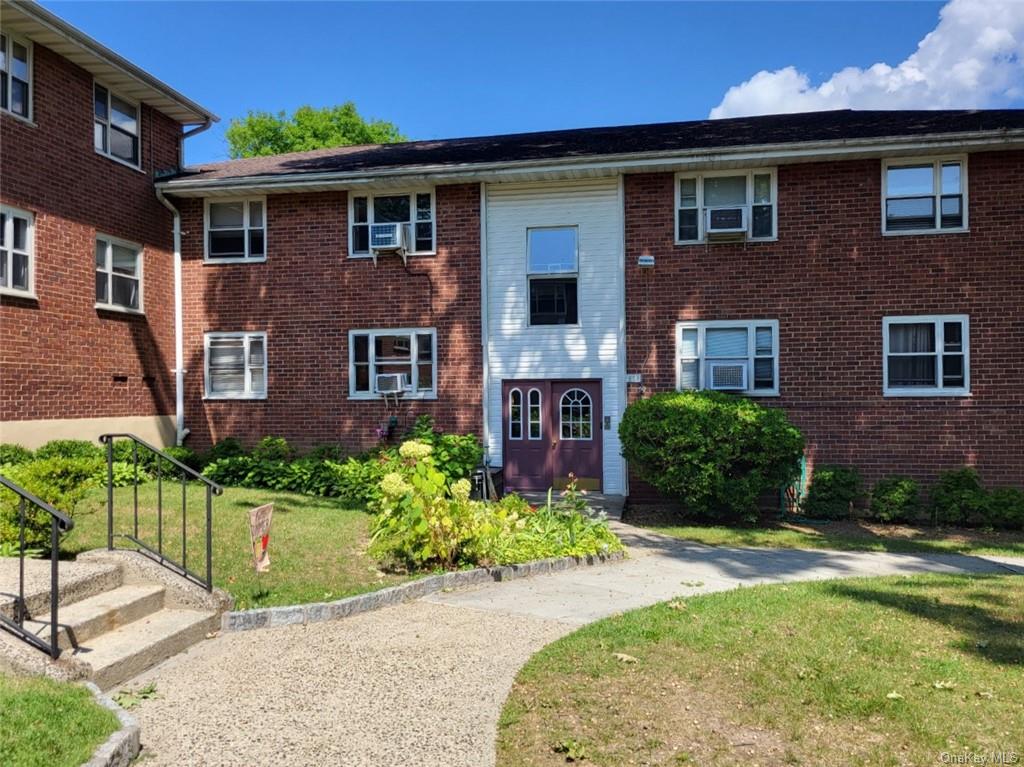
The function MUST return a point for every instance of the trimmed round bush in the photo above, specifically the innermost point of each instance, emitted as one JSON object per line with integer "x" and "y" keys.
{"x": 273, "y": 449}
{"x": 11, "y": 453}
{"x": 714, "y": 452}
{"x": 1004, "y": 507}
{"x": 230, "y": 447}
{"x": 61, "y": 482}
{"x": 70, "y": 448}
{"x": 895, "y": 499}
{"x": 832, "y": 492}
{"x": 957, "y": 497}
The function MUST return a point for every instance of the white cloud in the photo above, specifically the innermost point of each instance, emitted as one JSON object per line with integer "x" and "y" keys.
{"x": 973, "y": 58}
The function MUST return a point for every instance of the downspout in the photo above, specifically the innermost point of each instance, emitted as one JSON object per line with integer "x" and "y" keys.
{"x": 180, "y": 432}
{"x": 486, "y": 378}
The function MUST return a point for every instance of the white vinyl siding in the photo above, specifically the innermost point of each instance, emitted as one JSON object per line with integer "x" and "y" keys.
{"x": 752, "y": 345}
{"x": 236, "y": 365}
{"x": 591, "y": 348}
{"x": 926, "y": 356}
{"x": 17, "y": 267}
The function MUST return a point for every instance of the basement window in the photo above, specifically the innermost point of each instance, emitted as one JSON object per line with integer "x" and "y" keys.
{"x": 15, "y": 76}
{"x": 236, "y": 230}
{"x": 118, "y": 275}
{"x": 115, "y": 126}
{"x": 414, "y": 209}
{"x": 380, "y": 358}
{"x": 552, "y": 265}
{"x": 924, "y": 197}
{"x": 236, "y": 365}
{"x": 926, "y": 356}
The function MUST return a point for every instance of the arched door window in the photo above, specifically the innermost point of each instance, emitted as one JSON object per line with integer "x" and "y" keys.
{"x": 576, "y": 415}
{"x": 515, "y": 414}
{"x": 534, "y": 417}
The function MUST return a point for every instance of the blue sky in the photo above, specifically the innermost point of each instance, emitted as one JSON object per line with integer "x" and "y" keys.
{"x": 443, "y": 70}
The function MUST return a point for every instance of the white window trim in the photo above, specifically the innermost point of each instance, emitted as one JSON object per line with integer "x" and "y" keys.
{"x": 530, "y": 276}
{"x": 522, "y": 413}
{"x": 30, "y": 242}
{"x": 936, "y": 163}
{"x": 369, "y": 195}
{"x": 413, "y": 356}
{"x": 540, "y": 412}
{"x": 750, "y": 173}
{"x": 247, "y": 336}
{"x": 245, "y": 226}
{"x": 138, "y": 136}
{"x": 751, "y": 326}
{"x": 938, "y": 320}
{"x": 30, "y": 117}
{"x": 108, "y": 306}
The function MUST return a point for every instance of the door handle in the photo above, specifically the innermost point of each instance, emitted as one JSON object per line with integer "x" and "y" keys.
{"x": 554, "y": 444}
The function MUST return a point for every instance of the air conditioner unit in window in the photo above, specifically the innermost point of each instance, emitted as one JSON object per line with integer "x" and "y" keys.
{"x": 392, "y": 383}
{"x": 728, "y": 376}
{"x": 389, "y": 238}
{"x": 725, "y": 221}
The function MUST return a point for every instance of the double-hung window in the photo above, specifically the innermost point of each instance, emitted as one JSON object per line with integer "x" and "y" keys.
{"x": 414, "y": 212}
{"x": 741, "y": 357}
{"x": 552, "y": 265}
{"x": 924, "y": 196}
{"x": 115, "y": 126}
{"x": 236, "y": 230}
{"x": 15, "y": 76}
{"x": 16, "y": 267}
{"x": 726, "y": 200}
{"x": 236, "y": 365}
{"x": 118, "y": 274}
{"x": 926, "y": 355}
{"x": 393, "y": 361}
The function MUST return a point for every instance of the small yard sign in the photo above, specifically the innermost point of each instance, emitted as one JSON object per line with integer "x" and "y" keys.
{"x": 259, "y": 531}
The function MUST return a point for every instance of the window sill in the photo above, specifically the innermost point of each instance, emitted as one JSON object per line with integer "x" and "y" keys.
{"x": 119, "y": 309}
{"x": 119, "y": 161}
{"x": 235, "y": 398}
{"x": 19, "y": 118}
{"x": 380, "y": 398}
{"x": 367, "y": 256}
{"x": 681, "y": 243}
{"x": 916, "y": 232}
{"x": 15, "y": 293}
{"x": 243, "y": 260}
{"x": 926, "y": 393}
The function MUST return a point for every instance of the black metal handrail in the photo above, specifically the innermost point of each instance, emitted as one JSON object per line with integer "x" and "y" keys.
{"x": 59, "y": 522}
{"x": 155, "y": 550}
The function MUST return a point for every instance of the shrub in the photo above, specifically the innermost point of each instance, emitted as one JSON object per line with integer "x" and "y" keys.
{"x": 895, "y": 499}
{"x": 11, "y": 453}
{"x": 185, "y": 455}
{"x": 1004, "y": 507}
{"x": 957, "y": 497}
{"x": 70, "y": 448}
{"x": 832, "y": 492}
{"x": 273, "y": 449}
{"x": 123, "y": 474}
{"x": 226, "y": 448}
{"x": 358, "y": 480}
{"x": 61, "y": 482}
{"x": 455, "y": 455}
{"x": 328, "y": 453}
{"x": 714, "y": 452}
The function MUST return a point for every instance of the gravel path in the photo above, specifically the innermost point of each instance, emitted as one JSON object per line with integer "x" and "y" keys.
{"x": 422, "y": 684}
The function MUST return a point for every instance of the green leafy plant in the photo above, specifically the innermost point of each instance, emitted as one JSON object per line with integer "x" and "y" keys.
{"x": 1004, "y": 507}
{"x": 455, "y": 455}
{"x": 131, "y": 698}
{"x": 832, "y": 492}
{"x": 70, "y": 448}
{"x": 13, "y": 549}
{"x": 229, "y": 447}
{"x": 183, "y": 454}
{"x": 957, "y": 497}
{"x": 714, "y": 452}
{"x": 123, "y": 474}
{"x": 61, "y": 482}
{"x": 895, "y": 499}
{"x": 11, "y": 453}
{"x": 328, "y": 453}
{"x": 273, "y": 449}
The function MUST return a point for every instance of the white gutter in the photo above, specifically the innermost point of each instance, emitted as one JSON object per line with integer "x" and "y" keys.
{"x": 180, "y": 431}
{"x": 483, "y": 318}
{"x": 640, "y": 161}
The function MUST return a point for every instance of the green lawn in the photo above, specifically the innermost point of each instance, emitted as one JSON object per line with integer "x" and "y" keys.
{"x": 317, "y": 545}
{"x": 884, "y": 671}
{"x": 846, "y": 536}
{"x": 49, "y": 724}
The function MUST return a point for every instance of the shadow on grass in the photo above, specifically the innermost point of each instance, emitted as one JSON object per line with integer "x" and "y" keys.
{"x": 999, "y": 638}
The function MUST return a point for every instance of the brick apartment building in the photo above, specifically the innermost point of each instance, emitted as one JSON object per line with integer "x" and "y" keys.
{"x": 862, "y": 270}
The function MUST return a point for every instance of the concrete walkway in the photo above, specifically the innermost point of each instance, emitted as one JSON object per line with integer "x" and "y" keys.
{"x": 422, "y": 684}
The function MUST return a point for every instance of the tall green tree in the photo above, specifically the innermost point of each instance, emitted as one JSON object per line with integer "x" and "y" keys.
{"x": 261, "y": 133}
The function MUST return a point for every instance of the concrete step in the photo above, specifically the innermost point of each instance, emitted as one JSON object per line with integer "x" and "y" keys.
{"x": 125, "y": 652}
{"x": 78, "y": 581}
{"x": 82, "y": 621}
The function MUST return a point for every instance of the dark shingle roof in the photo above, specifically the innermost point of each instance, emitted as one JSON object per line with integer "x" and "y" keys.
{"x": 628, "y": 139}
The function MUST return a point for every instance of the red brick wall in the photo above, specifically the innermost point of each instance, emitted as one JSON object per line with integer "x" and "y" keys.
{"x": 308, "y": 295}
{"x": 60, "y": 357}
{"x": 829, "y": 280}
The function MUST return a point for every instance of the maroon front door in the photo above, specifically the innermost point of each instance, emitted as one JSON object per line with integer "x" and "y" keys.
{"x": 551, "y": 429}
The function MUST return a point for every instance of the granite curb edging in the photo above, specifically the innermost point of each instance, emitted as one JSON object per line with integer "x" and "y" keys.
{"x": 122, "y": 746}
{"x": 316, "y": 612}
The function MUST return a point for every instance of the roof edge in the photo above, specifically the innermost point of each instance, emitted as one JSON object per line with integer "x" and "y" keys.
{"x": 78, "y": 37}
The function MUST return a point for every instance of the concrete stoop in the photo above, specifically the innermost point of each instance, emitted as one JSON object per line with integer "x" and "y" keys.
{"x": 120, "y": 615}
